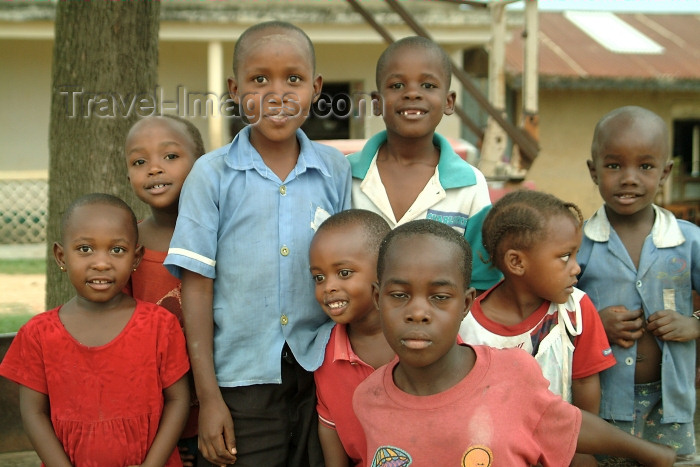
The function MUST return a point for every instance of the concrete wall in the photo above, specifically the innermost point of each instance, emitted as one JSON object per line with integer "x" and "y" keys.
{"x": 25, "y": 101}
{"x": 25, "y": 94}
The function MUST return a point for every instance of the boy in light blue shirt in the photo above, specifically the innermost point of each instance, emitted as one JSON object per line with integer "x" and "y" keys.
{"x": 248, "y": 212}
{"x": 640, "y": 266}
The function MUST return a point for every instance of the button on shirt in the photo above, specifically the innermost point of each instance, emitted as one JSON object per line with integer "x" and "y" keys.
{"x": 242, "y": 226}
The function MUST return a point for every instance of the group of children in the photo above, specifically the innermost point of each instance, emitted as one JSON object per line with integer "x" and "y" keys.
{"x": 385, "y": 356}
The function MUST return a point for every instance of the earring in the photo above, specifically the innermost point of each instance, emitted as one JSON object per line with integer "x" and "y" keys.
{"x": 62, "y": 268}
{"x": 133, "y": 270}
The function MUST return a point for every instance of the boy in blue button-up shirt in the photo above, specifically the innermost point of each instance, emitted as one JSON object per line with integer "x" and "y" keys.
{"x": 248, "y": 212}
{"x": 640, "y": 266}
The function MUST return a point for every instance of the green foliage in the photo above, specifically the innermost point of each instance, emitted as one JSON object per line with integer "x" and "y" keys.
{"x": 13, "y": 316}
{"x": 22, "y": 266}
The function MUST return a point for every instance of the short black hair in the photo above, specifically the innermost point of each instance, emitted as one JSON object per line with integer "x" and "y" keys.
{"x": 239, "y": 48}
{"x": 193, "y": 133}
{"x": 519, "y": 219}
{"x": 190, "y": 128}
{"x": 414, "y": 42}
{"x": 627, "y": 115}
{"x": 99, "y": 199}
{"x": 373, "y": 225}
{"x": 436, "y": 229}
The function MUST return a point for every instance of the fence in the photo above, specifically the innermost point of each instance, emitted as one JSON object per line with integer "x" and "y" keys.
{"x": 23, "y": 207}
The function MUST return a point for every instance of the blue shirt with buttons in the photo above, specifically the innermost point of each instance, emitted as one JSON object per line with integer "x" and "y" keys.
{"x": 242, "y": 226}
{"x": 669, "y": 266}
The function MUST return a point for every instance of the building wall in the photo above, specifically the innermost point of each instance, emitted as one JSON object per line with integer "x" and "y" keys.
{"x": 25, "y": 103}
{"x": 182, "y": 69}
{"x": 567, "y": 120}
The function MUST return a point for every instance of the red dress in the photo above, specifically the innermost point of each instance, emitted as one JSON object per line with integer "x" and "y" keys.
{"x": 106, "y": 401}
{"x": 153, "y": 283}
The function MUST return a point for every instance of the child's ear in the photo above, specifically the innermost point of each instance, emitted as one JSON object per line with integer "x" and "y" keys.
{"x": 138, "y": 256}
{"x": 450, "y": 104}
{"x": 514, "y": 262}
{"x": 376, "y": 103}
{"x": 233, "y": 89}
{"x": 666, "y": 172}
{"x": 469, "y": 297}
{"x": 592, "y": 171}
{"x": 375, "y": 294}
{"x": 58, "y": 255}
{"x": 318, "y": 85}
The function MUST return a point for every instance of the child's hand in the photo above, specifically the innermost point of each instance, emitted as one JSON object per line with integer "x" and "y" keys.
{"x": 217, "y": 442}
{"x": 669, "y": 325}
{"x": 186, "y": 458}
{"x": 583, "y": 460}
{"x": 622, "y": 326}
{"x": 661, "y": 456}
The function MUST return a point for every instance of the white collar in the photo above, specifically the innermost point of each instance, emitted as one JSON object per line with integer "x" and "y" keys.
{"x": 665, "y": 233}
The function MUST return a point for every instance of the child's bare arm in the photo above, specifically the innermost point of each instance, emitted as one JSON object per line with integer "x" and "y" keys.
{"x": 216, "y": 439}
{"x": 669, "y": 325}
{"x": 175, "y": 410}
{"x": 622, "y": 326}
{"x": 599, "y": 437}
{"x": 333, "y": 451}
{"x": 585, "y": 393}
{"x": 34, "y": 408}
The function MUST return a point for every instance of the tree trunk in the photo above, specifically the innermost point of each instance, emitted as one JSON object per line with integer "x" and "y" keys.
{"x": 104, "y": 76}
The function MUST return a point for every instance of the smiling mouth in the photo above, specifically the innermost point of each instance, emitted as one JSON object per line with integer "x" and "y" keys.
{"x": 337, "y": 304}
{"x": 158, "y": 186}
{"x": 412, "y": 113}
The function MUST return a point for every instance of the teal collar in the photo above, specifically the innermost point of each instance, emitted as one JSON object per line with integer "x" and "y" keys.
{"x": 454, "y": 171}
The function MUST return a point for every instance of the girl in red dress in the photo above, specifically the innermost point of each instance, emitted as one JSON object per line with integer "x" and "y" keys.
{"x": 102, "y": 377}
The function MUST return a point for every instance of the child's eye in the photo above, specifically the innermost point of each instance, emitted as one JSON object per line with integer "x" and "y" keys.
{"x": 345, "y": 273}
{"x": 441, "y": 297}
{"x": 318, "y": 278}
{"x": 138, "y": 162}
{"x": 294, "y": 79}
{"x": 565, "y": 257}
{"x": 396, "y": 86}
{"x": 260, "y": 79}
{"x": 118, "y": 249}
{"x": 612, "y": 166}
{"x": 84, "y": 249}
{"x": 398, "y": 295}
{"x": 647, "y": 166}
{"x": 429, "y": 86}
{"x": 170, "y": 157}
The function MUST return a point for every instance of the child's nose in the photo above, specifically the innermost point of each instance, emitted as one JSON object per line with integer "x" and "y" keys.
{"x": 418, "y": 311}
{"x": 629, "y": 175}
{"x": 412, "y": 92}
{"x": 101, "y": 262}
{"x": 576, "y": 270}
{"x": 154, "y": 169}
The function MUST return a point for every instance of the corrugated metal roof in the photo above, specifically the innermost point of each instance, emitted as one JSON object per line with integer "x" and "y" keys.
{"x": 569, "y": 57}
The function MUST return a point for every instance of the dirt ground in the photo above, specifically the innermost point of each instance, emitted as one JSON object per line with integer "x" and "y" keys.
{"x": 22, "y": 292}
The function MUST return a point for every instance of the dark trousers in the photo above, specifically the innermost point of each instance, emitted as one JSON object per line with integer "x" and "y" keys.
{"x": 276, "y": 425}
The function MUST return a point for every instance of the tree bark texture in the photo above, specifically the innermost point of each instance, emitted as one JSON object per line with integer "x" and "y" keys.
{"x": 104, "y": 77}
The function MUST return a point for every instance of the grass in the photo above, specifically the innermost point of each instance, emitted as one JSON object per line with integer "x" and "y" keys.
{"x": 22, "y": 266}
{"x": 13, "y": 316}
